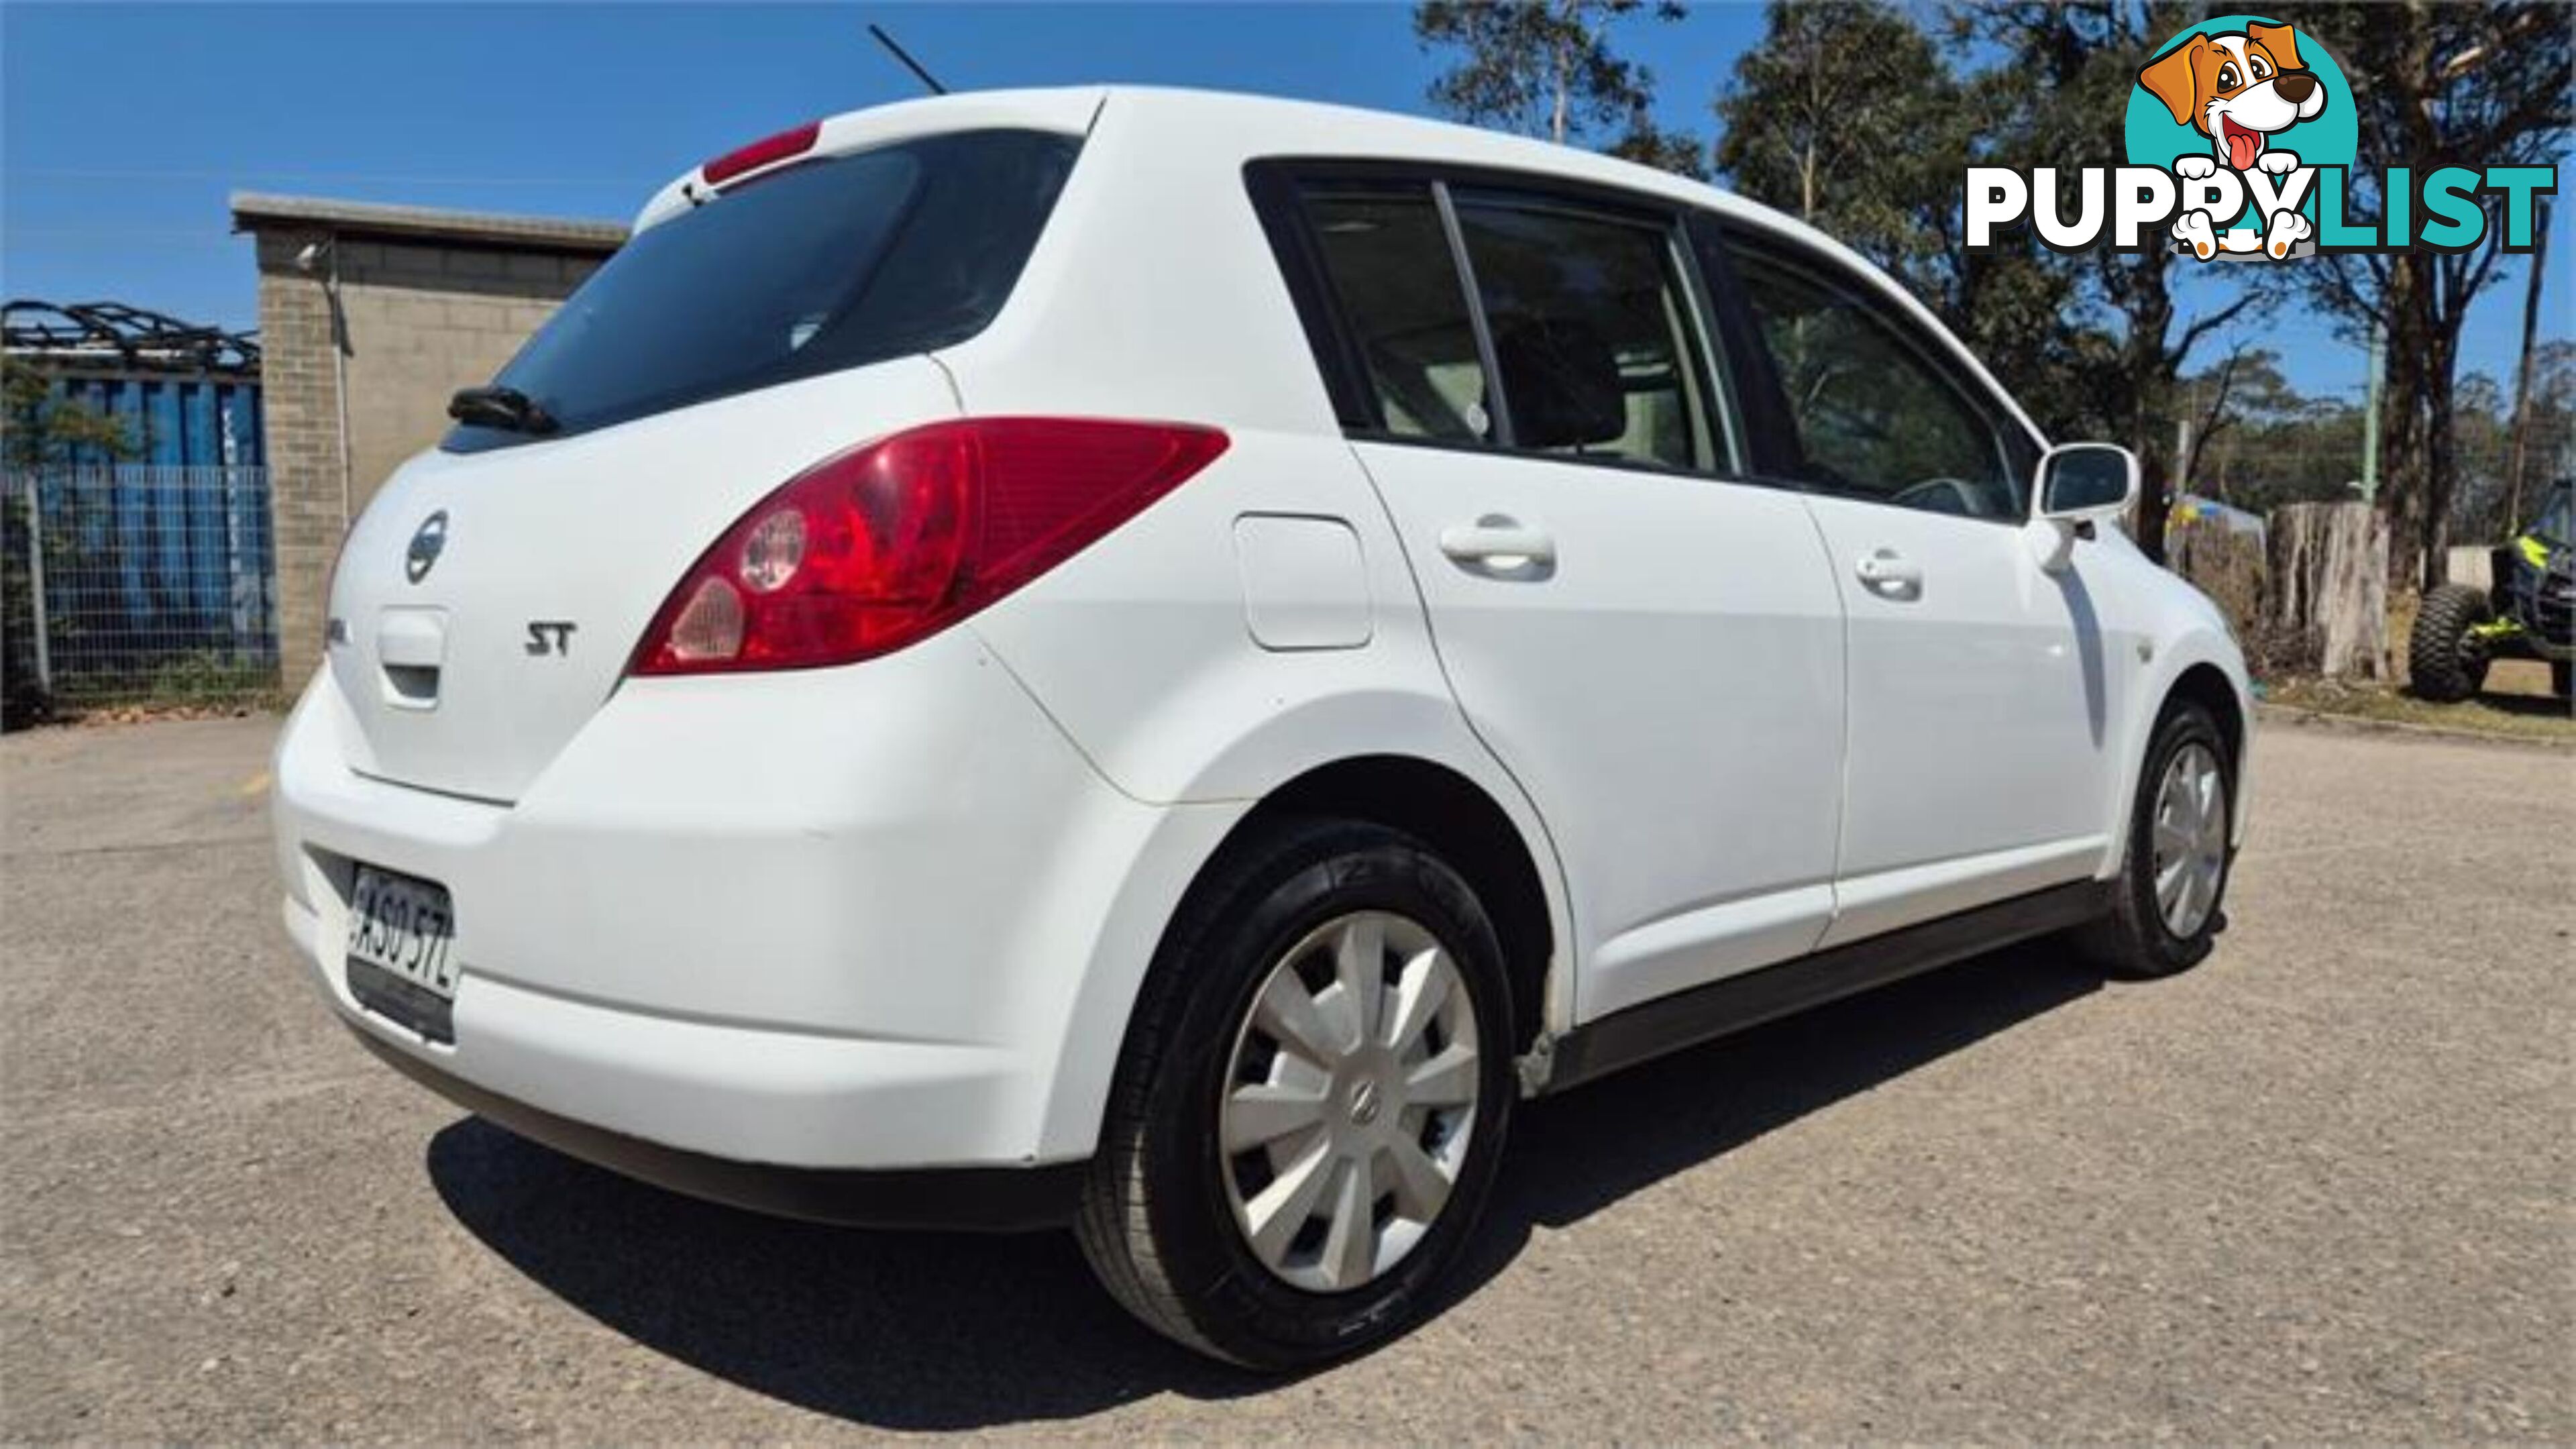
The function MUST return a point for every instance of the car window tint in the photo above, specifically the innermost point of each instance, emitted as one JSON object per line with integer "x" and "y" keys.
{"x": 1390, "y": 267}
{"x": 2556, "y": 521}
{"x": 1873, "y": 416}
{"x": 819, "y": 266}
{"x": 1593, "y": 331}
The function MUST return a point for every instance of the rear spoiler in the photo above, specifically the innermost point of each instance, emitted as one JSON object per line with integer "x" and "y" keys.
{"x": 1071, "y": 111}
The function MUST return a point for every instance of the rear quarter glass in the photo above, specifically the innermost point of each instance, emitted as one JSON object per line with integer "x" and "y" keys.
{"x": 822, "y": 265}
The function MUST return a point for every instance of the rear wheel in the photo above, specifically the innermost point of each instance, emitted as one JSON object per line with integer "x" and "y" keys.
{"x": 2445, "y": 660}
{"x": 2174, "y": 874}
{"x": 1311, "y": 1104}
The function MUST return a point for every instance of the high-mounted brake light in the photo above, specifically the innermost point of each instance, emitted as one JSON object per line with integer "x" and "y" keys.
{"x": 886, "y": 544}
{"x": 761, "y": 153}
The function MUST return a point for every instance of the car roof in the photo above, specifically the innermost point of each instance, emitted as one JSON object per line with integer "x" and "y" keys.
{"x": 1259, "y": 126}
{"x": 1265, "y": 125}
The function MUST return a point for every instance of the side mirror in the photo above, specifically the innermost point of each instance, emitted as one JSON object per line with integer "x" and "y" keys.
{"x": 2083, "y": 481}
{"x": 2079, "y": 484}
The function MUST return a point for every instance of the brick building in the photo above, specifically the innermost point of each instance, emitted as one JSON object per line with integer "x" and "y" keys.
{"x": 425, "y": 302}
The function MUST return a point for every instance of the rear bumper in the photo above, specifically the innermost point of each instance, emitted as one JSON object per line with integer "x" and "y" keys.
{"x": 752, "y": 1094}
{"x": 882, "y": 919}
{"x": 970, "y": 1199}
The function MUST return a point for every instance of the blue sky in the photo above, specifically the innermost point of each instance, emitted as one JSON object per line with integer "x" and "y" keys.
{"x": 122, "y": 128}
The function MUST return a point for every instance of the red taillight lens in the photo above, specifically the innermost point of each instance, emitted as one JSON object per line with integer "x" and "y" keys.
{"x": 868, "y": 551}
{"x": 761, "y": 152}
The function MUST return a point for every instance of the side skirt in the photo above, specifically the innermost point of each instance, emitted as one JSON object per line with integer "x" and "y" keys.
{"x": 1687, "y": 1018}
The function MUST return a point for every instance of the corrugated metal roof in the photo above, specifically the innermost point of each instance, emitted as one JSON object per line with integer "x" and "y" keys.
{"x": 253, "y": 211}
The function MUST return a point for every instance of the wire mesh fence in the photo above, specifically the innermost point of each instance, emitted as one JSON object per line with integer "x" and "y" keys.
{"x": 2259, "y": 469}
{"x": 137, "y": 585}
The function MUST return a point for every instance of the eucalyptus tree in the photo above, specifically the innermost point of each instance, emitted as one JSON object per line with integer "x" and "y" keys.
{"x": 1548, "y": 68}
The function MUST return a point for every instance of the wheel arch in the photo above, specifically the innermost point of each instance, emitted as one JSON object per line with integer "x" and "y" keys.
{"x": 1466, "y": 826}
{"x": 2204, "y": 684}
{"x": 1477, "y": 822}
{"x": 2202, "y": 668}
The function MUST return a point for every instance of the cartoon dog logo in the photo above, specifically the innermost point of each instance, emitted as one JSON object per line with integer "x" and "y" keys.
{"x": 2240, "y": 90}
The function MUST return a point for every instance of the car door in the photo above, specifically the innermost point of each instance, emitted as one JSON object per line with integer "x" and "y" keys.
{"x": 1653, "y": 651}
{"x": 1978, "y": 737}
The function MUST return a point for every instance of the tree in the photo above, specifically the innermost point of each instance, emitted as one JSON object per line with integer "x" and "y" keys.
{"x": 2207, "y": 411}
{"x": 2488, "y": 83}
{"x": 1812, "y": 110}
{"x": 1810, "y": 123}
{"x": 2498, "y": 435}
{"x": 1676, "y": 151}
{"x": 1545, "y": 68}
{"x": 2070, "y": 67}
{"x": 2260, "y": 443}
{"x": 38, "y": 428}
{"x": 2522, "y": 375}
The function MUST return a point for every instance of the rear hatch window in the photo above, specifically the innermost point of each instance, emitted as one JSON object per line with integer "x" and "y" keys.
{"x": 824, "y": 265}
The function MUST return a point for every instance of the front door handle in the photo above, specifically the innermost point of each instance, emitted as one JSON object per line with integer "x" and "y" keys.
{"x": 1889, "y": 573}
{"x": 1498, "y": 544}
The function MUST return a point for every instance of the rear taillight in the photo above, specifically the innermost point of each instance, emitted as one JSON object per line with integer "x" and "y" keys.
{"x": 761, "y": 153}
{"x": 886, "y": 544}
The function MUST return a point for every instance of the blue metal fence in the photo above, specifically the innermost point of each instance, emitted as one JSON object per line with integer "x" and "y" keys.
{"x": 139, "y": 583}
{"x": 197, "y": 421}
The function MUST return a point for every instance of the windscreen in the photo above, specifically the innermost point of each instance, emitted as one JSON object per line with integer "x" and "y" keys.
{"x": 819, "y": 266}
{"x": 2557, "y": 521}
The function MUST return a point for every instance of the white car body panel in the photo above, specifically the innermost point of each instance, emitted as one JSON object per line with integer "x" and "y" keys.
{"x": 2174, "y": 630}
{"x": 594, "y": 529}
{"x": 1979, "y": 740}
{"x": 896, "y": 914}
{"x": 707, "y": 884}
{"x": 1161, "y": 613}
{"x": 1669, "y": 693}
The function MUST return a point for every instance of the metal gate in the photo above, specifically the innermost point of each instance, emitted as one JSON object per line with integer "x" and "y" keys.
{"x": 137, "y": 584}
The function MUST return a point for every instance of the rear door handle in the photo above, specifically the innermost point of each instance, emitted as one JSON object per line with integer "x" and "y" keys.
{"x": 1498, "y": 544}
{"x": 1887, "y": 572}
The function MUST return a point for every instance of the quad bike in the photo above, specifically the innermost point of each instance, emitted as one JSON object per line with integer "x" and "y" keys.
{"x": 2530, "y": 613}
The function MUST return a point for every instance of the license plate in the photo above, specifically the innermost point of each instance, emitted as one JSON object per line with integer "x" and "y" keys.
{"x": 400, "y": 963}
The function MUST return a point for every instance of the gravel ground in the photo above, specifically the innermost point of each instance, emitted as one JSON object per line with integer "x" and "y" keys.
{"x": 2318, "y": 1189}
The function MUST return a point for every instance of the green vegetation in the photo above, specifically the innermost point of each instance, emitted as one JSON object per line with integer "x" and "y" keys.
{"x": 2514, "y": 703}
{"x": 37, "y": 429}
{"x": 1862, "y": 117}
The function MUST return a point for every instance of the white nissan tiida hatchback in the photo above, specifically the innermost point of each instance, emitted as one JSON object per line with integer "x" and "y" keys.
{"x": 1156, "y": 661}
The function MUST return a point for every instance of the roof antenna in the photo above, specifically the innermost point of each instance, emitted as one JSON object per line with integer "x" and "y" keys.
{"x": 909, "y": 63}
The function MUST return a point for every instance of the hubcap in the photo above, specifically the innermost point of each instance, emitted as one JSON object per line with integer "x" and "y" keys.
{"x": 1349, "y": 1100}
{"x": 2190, "y": 838}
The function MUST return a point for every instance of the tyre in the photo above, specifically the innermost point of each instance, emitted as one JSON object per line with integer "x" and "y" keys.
{"x": 1312, "y": 1098}
{"x": 2443, "y": 659}
{"x": 2173, "y": 876}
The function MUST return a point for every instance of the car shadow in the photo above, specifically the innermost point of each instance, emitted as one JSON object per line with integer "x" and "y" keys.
{"x": 913, "y": 1331}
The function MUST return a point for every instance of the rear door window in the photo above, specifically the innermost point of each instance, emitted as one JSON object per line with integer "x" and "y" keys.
{"x": 1387, "y": 259}
{"x": 1493, "y": 316}
{"x": 1594, "y": 331}
{"x": 824, "y": 265}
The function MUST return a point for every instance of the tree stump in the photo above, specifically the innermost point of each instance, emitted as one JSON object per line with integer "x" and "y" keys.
{"x": 2225, "y": 563}
{"x": 2329, "y": 576}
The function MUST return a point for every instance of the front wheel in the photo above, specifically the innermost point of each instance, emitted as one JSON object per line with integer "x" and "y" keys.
{"x": 1311, "y": 1103}
{"x": 2445, "y": 659}
{"x": 2173, "y": 876}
